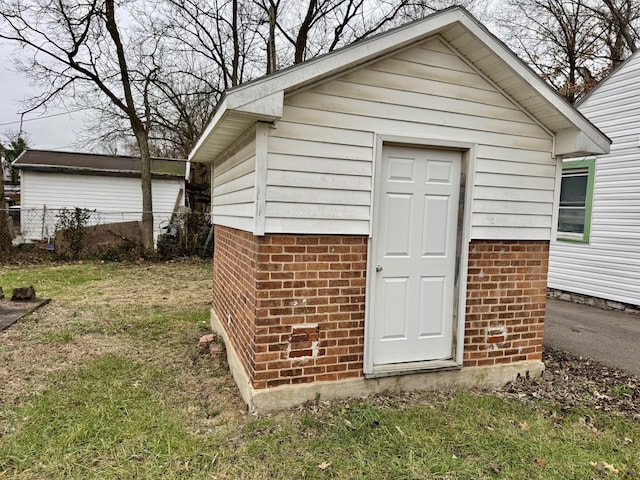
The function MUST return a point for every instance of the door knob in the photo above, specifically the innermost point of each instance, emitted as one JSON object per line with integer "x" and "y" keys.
{"x": 378, "y": 268}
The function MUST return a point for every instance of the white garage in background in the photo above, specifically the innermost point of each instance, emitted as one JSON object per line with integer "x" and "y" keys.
{"x": 108, "y": 186}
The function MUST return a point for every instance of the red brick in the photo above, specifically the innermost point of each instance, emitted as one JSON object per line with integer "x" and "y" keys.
{"x": 300, "y": 353}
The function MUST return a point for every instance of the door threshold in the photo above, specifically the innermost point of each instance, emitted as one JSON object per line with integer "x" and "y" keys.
{"x": 408, "y": 368}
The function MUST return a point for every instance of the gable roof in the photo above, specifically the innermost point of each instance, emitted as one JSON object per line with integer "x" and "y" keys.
{"x": 96, "y": 164}
{"x": 619, "y": 70}
{"x": 262, "y": 99}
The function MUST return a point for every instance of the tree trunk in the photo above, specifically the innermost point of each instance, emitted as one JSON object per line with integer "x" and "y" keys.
{"x": 272, "y": 65}
{"x": 145, "y": 180}
{"x": 235, "y": 63}
{"x": 5, "y": 236}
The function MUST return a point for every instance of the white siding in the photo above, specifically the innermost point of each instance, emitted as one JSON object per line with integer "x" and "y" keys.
{"x": 233, "y": 186}
{"x": 320, "y": 168}
{"x": 115, "y": 199}
{"x": 609, "y": 266}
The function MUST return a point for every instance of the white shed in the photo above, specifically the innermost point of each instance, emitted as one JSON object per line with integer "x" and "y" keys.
{"x": 108, "y": 186}
{"x": 597, "y": 250}
{"x": 386, "y": 210}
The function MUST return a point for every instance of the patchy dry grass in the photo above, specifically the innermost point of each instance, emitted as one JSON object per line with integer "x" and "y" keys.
{"x": 106, "y": 382}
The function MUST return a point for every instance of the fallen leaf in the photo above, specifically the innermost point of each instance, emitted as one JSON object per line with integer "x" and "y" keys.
{"x": 604, "y": 466}
{"x": 627, "y": 440}
{"x": 523, "y": 425}
{"x": 495, "y": 468}
{"x": 324, "y": 465}
{"x": 399, "y": 430}
{"x": 349, "y": 424}
{"x": 540, "y": 462}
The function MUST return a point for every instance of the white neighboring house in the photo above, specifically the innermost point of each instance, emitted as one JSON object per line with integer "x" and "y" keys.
{"x": 597, "y": 249}
{"x": 108, "y": 186}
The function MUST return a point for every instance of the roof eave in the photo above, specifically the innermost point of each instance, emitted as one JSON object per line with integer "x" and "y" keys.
{"x": 32, "y": 167}
{"x": 236, "y": 114}
{"x": 572, "y": 142}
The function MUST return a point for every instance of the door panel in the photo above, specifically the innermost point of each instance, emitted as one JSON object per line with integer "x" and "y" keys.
{"x": 431, "y": 311}
{"x": 399, "y": 208}
{"x": 415, "y": 254}
{"x": 436, "y": 212}
{"x": 395, "y": 296}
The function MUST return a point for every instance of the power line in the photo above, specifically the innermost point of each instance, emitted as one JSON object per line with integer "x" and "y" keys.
{"x": 41, "y": 118}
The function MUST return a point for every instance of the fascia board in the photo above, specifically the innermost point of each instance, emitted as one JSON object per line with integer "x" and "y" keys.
{"x": 267, "y": 106}
{"x": 221, "y": 112}
{"x": 572, "y": 142}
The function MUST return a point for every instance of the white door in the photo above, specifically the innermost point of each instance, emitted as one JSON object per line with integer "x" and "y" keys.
{"x": 415, "y": 255}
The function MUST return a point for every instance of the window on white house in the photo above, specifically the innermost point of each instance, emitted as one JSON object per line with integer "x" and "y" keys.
{"x": 576, "y": 198}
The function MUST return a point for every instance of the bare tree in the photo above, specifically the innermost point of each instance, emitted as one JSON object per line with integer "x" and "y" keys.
{"x": 79, "y": 49}
{"x": 216, "y": 38}
{"x": 572, "y": 44}
{"x": 157, "y": 79}
{"x": 307, "y": 29}
{"x": 619, "y": 20}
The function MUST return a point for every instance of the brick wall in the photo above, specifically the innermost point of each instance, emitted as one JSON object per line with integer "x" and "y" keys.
{"x": 234, "y": 287}
{"x": 310, "y": 309}
{"x": 506, "y": 295}
{"x": 293, "y": 305}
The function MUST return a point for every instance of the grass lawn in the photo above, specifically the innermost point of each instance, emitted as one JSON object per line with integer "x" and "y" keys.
{"x": 107, "y": 382}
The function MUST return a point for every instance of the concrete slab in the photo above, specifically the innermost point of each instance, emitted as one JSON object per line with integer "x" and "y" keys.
{"x": 606, "y": 336}
{"x": 12, "y": 311}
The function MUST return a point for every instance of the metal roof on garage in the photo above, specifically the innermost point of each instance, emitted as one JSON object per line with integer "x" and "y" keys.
{"x": 96, "y": 164}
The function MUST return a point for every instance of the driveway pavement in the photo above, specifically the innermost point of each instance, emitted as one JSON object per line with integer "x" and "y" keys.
{"x": 607, "y": 336}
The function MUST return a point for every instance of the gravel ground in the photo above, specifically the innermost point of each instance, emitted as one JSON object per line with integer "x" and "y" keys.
{"x": 572, "y": 381}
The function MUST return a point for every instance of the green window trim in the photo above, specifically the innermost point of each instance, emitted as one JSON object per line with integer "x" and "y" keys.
{"x": 589, "y": 166}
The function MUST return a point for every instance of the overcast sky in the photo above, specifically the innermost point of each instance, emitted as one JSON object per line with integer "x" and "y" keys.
{"x": 58, "y": 132}
{"x": 54, "y": 129}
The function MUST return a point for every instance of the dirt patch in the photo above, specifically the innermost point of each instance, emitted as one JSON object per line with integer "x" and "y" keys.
{"x": 121, "y": 240}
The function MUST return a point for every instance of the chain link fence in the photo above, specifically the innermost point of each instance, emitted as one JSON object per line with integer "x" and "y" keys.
{"x": 41, "y": 224}
{"x": 184, "y": 233}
